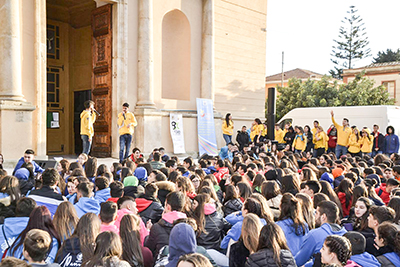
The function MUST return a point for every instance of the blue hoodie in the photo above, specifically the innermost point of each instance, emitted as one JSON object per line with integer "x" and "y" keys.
{"x": 71, "y": 198}
{"x": 365, "y": 259}
{"x": 86, "y": 205}
{"x": 36, "y": 167}
{"x": 12, "y": 227}
{"x": 391, "y": 144}
{"x": 102, "y": 195}
{"x": 290, "y": 234}
{"x": 393, "y": 257}
{"x": 50, "y": 258}
{"x": 182, "y": 241}
{"x": 313, "y": 242}
{"x": 234, "y": 218}
{"x": 225, "y": 153}
{"x": 235, "y": 232}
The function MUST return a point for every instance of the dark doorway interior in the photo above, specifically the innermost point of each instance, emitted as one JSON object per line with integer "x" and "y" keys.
{"x": 79, "y": 98}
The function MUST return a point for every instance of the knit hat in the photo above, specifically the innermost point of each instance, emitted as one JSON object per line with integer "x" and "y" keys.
{"x": 131, "y": 181}
{"x": 337, "y": 172}
{"x": 22, "y": 174}
{"x": 327, "y": 177}
{"x": 141, "y": 173}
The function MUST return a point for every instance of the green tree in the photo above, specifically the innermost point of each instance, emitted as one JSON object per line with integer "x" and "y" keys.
{"x": 351, "y": 45}
{"x": 328, "y": 93}
{"x": 387, "y": 56}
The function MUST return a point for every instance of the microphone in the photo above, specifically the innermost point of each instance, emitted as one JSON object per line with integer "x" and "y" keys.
{"x": 98, "y": 114}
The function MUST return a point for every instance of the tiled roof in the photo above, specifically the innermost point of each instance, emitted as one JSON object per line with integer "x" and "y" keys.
{"x": 374, "y": 65}
{"x": 296, "y": 73}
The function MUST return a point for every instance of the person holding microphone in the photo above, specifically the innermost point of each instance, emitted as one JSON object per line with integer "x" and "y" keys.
{"x": 126, "y": 124}
{"x": 88, "y": 117}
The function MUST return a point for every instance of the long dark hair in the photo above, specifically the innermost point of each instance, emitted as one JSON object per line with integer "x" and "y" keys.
{"x": 230, "y": 193}
{"x": 291, "y": 209}
{"x": 91, "y": 167}
{"x": 40, "y": 218}
{"x": 270, "y": 189}
{"x": 346, "y": 187}
{"x": 290, "y": 184}
{"x": 108, "y": 245}
{"x": 86, "y": 231}
{"x": 273, "y": 238}
{"x": 198, "y": 212}
{"x": 394, "y": 203}
{"x": 227, "y": 119}
{"x": 130, "y": 236}
{"x": 327, "y": 189}
{"x": 307, "y": 209}
{"x": 244, "y": 190}
{"x": 362, "y": 222}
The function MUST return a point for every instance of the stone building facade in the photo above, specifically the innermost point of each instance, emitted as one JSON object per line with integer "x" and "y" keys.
{"x": 157, "y": 55}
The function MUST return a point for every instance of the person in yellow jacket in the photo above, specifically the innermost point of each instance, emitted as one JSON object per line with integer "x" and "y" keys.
{"x": 366, "y": 142}
{"x": 88, "y": 117}
{"x": 256, "y": 130}
{"x": 227, "y": 128}
{"x": 279, "y": 134}
{"x": 354, "y": 142}
{"x": 343, "y": 136}
{"x": 126, "y": 124}
{"x": 320, "y": 141}
{"x": 300, "y": 140}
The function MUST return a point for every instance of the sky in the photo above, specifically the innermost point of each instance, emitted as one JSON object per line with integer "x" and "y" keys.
{"x": 305, "y": 29}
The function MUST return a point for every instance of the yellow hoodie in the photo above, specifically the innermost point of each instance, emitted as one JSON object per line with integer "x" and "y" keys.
{"x": 87, "y": 120}
{"x": 322, "y": 142}
{"x": 343, "y": 134}
{"x": 228, "y": 130}
{"x": 354, "y": 145}
{"x": 279, "y": 136}
{"x": 300, "y": 142}
{"x": 124, "y": 122}
{"x": 256, "y": 130}
{"x": 366, "y": 142}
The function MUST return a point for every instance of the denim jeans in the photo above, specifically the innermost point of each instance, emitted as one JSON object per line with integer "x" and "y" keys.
{"x": 86, "y": 145}
{"x": 227, "y": 138}
{"x": 125, "y": 141}
{"x": 340, "y": 150}
{"x": 374, "y": 153}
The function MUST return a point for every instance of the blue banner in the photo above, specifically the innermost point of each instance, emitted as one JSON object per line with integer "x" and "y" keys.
{"x": 206, "y": 127}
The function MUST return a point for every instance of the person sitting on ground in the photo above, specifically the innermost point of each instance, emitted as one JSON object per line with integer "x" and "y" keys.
{"x": 377, "y": 216}
{"x": 37, "y": 244}
{"x": 156, "y": 163}
{"x": 196, "y": 259}
{"x": 80, "y": 246}
{"x": 108, "y": 216}
{"x": 29, "y": 155}
{"x": 384, "y": 190}
{"x": 149, "y": 207}
{"x": 159, "y": 233}
{"x": 116, "y": 191}
{"x": 326, "y": 217}
{"x": 102, "y": 189}
{"x": 232, "y": 202}
{"x": 71, "y": 188}
{"x": 13, "y": 262}
{"x": 337, "y": 250}
{"x": 388, "y": 240}
{"x": 311, "y": 188}
{"x": 13, "y": 226}
{"x": 47, "y": 195}
{"x": 359, "y": 256}
{"x": 272, "y": 249}
{"x": 86, "y": 203}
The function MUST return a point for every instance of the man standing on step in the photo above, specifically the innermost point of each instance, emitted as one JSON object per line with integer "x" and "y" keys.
{"x": 126, "y": 125}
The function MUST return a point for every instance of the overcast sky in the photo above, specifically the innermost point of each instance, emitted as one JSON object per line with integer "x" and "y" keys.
{"x": 305, "y": 30}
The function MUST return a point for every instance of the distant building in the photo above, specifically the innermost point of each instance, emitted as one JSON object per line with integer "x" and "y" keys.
{"x": 386, "y": 74}
{"x": 276, "y": 79}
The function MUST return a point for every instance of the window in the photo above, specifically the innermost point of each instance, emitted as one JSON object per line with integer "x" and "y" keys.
{"x": 391, "y": 88}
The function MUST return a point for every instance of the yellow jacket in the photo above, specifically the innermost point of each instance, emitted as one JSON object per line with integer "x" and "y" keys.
{"x": 322, "y": 142}
{"x": 314, "y": 132}
{"x": 279, "y": 136}
{"x": 354, "y": 146}
{"x": 126, "y": 125}
{"x": 343, "y": 134}
{"x": 366, "y": 144}
{"x": 228, "y": 130}
{"x": 255, "y": 130}
{"x": 87, "y": 120}
{"x": 300, "y": 144}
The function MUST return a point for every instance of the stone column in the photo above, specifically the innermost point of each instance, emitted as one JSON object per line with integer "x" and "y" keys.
{"x": 145, "y": 56}
{"x": 207, "y": 51}
{"x": 10, "y": 47}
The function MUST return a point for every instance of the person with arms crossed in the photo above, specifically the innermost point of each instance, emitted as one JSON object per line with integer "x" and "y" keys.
{"x": 126, "y": 124}
{"x": 88, "y": 117}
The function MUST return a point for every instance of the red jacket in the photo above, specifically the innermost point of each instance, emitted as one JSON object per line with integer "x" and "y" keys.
{"x": 221, "y": 172}
{"x": 346, "y": 209}
{"x": 381, "y": 192}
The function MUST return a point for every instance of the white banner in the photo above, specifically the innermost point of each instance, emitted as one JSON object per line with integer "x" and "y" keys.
{"x": 176, "y": 129}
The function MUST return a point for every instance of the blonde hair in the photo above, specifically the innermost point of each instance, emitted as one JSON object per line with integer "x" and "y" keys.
{"x": 196, "y": 259}
{"x": 37, "y": 243}
{"x": 251, "y": 229}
